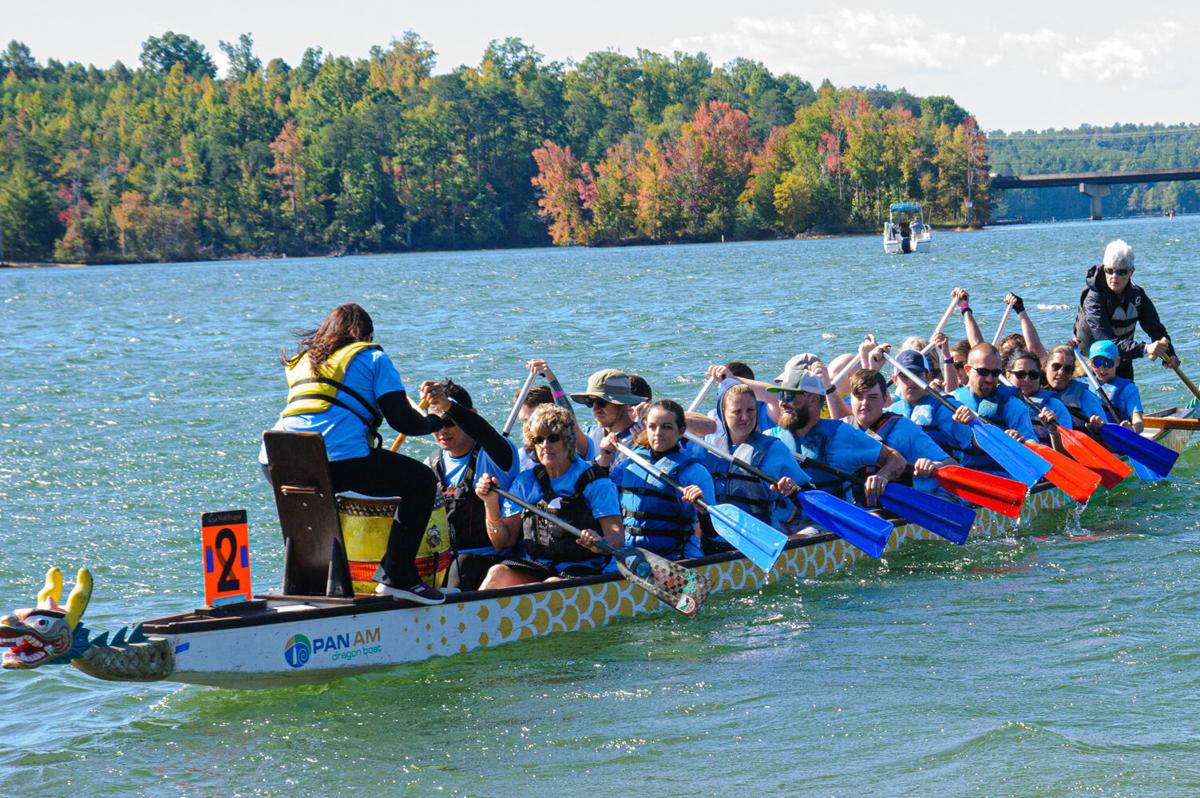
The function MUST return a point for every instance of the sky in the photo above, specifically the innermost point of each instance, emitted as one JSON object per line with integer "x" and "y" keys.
{"x": 1025, "y": 66}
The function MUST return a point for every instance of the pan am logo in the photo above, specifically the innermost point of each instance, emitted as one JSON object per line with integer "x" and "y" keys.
{"x": 297, "y": 650}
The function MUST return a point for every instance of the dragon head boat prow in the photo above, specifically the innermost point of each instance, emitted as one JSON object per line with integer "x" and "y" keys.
{"x": 51, "y": 634}
{"x": 47, "y": 633}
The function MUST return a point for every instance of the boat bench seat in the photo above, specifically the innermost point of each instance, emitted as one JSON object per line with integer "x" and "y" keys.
{"x": 314, "y": 553}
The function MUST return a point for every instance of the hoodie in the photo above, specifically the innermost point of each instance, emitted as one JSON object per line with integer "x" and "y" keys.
{"x": 1103, "y": 315}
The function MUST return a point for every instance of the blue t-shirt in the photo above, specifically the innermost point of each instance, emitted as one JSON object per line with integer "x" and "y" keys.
{"x": 1125, "y": 396}
{"x": 1004, "y": 407}
{"x": 456, "y": 467}
{"x": 370, "y": 375}
{"x": 1078, "y": 395}
{"x": 600, "y": 494}
{"x": 912, "y": 443}
{"x": 938, "y": 422}
{"x": 835, "y": 444}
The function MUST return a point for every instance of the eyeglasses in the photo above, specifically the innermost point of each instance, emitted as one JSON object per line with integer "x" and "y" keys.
{"x": 1033, "y": 374}
{"x": 1103, "y": 362}
{"x": 987, "y": 372}
{"x": 1060, "y": 366}
{"x": 553, "y": 437}
{"x": 1117, "y": 272}
{"x": 593, "y": 401}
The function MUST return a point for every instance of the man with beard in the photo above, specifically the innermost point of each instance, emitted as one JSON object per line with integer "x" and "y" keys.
{"x": 869, "y": 397}
{"x": 834, "y": 443}
{"x": 987, "y": 397}
{"x": 925, "y": 411}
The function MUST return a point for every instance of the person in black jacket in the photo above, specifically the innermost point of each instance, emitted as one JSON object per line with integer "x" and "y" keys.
{"x": 1111, "y": 307}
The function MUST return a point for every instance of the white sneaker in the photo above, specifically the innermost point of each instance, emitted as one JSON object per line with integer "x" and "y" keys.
{"x": 419, "y": 593}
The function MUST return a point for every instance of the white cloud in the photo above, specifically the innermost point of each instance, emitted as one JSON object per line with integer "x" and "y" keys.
{"x": 1107, "y": 60}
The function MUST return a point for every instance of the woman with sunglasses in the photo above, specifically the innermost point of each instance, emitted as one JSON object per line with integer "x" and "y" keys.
{"x": 468, "y": 448}
{"x": 1111, "y": 307}
{"x": 1076, "y": 396}
{"x": 1023, "y": 371}
{"x": 564, "y": 483}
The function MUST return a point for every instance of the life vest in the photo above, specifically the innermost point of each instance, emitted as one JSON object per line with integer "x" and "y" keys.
{"x": 923, "y": 414}
{"x": 992, "y": 407}
{"x": 311, "y": 394}
{"x": 733, "y": 485}
{"x": 465, "y": 512}
{"x": 1073, "y": 397}
{"x": 546, "y": 541}
{"x": 656, "y": 517}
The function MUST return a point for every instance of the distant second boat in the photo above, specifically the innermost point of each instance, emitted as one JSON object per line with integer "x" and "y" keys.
{"x": 906, "y": 230}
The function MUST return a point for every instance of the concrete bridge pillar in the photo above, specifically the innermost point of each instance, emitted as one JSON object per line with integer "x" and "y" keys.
{"x": 1095, "y": 191}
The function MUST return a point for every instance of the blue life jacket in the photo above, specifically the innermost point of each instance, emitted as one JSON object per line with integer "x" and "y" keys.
{"x": 734, "y": 485}
{"x": 656, "y": 516}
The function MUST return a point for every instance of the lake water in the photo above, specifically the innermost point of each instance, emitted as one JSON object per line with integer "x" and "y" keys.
{"x": 1063, "y": 660}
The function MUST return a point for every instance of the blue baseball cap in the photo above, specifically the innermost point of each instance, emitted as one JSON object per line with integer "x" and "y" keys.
{"x": 1104, "y": 348}
{"x": 912, "y": 360}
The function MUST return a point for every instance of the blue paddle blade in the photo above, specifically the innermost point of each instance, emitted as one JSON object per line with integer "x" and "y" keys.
{"x": 760, "y": 542}
{"x": 946, "y": 518}
{"x": 864, "y": 530}
{"x": 1020, "y": 463}
{"x": 1150, "y": 459}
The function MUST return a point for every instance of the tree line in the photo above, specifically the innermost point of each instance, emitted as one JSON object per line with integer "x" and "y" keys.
{"x": 165, "y": 160}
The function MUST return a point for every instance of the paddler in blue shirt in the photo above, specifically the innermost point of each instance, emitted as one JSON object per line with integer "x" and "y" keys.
{"x": 1123, "y": 393}
{"x": 728, "y": 375}
{"x": 1023, "y": 371}
{"x": 1075, "y": 393}
{"x": 868, "y": 397}
{"x": 919, "y": 407}
{"x": 468, "y": 448}
{"x": 985, "y": 395}
{"x": 829, "y": 441}
{"x": 610, "y": 397}
{"x": 734, "y": 485}
{"x": 657, "y": 516}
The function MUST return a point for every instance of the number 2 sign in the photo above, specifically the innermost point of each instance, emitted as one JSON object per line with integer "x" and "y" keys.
{"x": 225, "y": 552}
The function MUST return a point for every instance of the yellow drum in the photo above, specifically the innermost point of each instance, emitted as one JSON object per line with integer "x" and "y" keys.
{"x": 366, "y": 523}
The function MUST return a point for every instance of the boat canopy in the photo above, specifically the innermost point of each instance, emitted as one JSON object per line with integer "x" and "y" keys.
{"x": 910, "y": 207}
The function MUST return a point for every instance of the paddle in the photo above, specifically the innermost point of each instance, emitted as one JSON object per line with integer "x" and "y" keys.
{"x": 708, "y": 386}
{"x": 1191, "y": 386}
{"x": 1005, "y": 496}
{"x": 946, "y": 518}
{"x": 864, "y": 530}
{"x": 401, "y": 438}
{"x": 1022, "y": 464}
{"x": 1086, "y": 451}
{"x": 1003, "y": 321}
{"x": 516, "y": 408}
{"x": 945, "y": 318}
{"x": 1158, "y": 422}
{"x": 1149, "y": 459}
{"x": 682, "y": 588}
{"x": 761, "y": 543}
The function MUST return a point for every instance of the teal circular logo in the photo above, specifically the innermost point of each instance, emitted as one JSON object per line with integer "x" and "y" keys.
{"x": 297, "y": 651}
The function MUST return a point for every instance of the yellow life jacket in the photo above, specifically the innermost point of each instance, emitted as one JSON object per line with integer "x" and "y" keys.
{"x": 310, "y": 393}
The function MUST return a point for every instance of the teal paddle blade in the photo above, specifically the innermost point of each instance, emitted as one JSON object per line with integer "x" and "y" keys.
{"x": 761, "y": 543}
{"x": 1020, "y": 463}
{"x": 1150, "y": 459}
{"x": 946, "y": 518}
{"x": 864, "y": 530}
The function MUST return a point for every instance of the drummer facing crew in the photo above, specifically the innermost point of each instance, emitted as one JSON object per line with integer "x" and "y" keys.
{"x": 562, "y": 483}
{"x": 829, "y": 441}
{"x": 1111, "y": 307}
{"x": 985, "y": 395}
{"x": 342, "y": 385}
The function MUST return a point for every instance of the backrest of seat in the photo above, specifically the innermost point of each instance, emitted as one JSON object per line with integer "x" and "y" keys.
{"x": 314, "y": 552}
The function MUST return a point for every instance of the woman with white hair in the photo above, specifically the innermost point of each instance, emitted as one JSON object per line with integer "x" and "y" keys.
{"x": 1111, "y": 307}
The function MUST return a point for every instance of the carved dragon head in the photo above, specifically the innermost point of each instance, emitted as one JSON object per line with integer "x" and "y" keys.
{"x": 47, "y": 633}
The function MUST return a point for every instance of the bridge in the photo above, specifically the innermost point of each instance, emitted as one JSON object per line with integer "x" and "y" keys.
{"x": 1094, "y": 184}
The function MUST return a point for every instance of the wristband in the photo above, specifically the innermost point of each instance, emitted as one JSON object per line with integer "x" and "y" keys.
{"x": 964, "y": 309}
{"x": 947, "y": 360}
{"x": 831, "y": 390}
{"x": 558, "y": 394}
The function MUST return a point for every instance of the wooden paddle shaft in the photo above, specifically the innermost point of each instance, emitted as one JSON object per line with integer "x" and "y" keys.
{"x": 1158, "y": 422}
{"x": 401, "y": 438}
{"x": 1184, "y": 378}
{"x": 516, "y": 408}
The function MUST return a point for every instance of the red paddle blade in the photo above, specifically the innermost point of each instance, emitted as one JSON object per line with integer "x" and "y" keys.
{"x": 1005, "y": 496}
{"x": 1078, "y": 482}
{"x": 1090, "y": 453}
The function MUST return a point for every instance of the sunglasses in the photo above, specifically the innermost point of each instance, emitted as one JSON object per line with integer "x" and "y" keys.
{"x": 987, "y": 372}
{"x": 958, "y": 364}
{"x": 592, "y": 401}
{"x": 1103, "y": 362}
{"x": 448, "y": 423}
{"x": 1117, "y": 272}
{"x": 787, "y": 396}
{"x": 1026, "y": 375}
{"x": 1061, "y": 366}
{"x": 553, "y": 437}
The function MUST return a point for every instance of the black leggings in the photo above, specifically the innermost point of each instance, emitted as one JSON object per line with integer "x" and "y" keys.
{"x": 388, "y": 473}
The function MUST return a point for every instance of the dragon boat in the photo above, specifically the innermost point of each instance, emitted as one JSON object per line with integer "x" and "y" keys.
{"x": 306, "y": 633}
